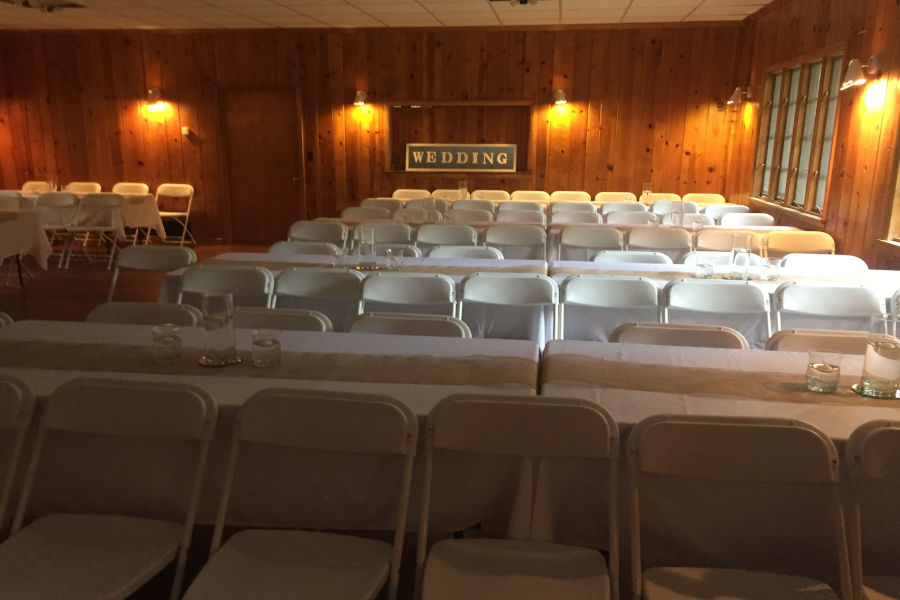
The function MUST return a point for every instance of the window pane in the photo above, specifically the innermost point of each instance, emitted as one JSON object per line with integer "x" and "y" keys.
{"x": 829, "y": 132}
{"x": 770, "y": 133}
{"x": 793, "y": 92}
{"x": 809, "y": 122}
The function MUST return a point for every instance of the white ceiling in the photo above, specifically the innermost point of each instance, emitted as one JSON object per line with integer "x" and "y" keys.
{"x": 250, "y": 14}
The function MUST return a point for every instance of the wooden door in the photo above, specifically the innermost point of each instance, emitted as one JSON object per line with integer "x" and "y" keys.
{"x": 262, "y": 139}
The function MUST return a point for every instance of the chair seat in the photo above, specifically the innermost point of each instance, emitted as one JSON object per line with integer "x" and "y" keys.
{"x": 492, "y": 569}
{"x": 882, "y": 587}
{"x": 73, "y": 556}
{"x": 271, "y": 564}
{"x": 688, "y": 583}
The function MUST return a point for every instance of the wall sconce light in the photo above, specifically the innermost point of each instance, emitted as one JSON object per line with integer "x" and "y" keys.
{"x": 360, "y": 98}
{"x": 559, "y": 97}
{"x": 858, "y": 73}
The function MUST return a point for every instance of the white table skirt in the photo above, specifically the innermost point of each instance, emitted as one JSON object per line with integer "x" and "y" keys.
{"x": 23, "y": 234}
{"x": 140, "y": 211}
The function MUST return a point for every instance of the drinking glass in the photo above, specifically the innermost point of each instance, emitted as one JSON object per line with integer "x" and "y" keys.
{"x": 740, "y": 256}
{"x": 394, "y": 258}
{"x": 881, "y": 366}
{"x": 218, "y": 323}
{"x": 823, "y": 371}
{"x": 646, "y": 193}
{"x": 266, "y": 348}
{"x": 166, "y": 342}
{"x": 366, "y": 247}
{"x": 428, "y": 204}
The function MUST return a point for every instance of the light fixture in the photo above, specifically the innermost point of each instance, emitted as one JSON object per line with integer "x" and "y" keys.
{"x": 858, "y": 73}
{"x": 153, "y": 95}
{"x": 559, "y": 97}
{"x": 360, "y": 98}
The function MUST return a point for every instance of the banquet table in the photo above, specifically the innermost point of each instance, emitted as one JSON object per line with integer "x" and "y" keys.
{"x": 691, "y": 523}
{"x": 21, "y": 233}
{"x": 139, "y": 211}
{"x": 417, "y": 370}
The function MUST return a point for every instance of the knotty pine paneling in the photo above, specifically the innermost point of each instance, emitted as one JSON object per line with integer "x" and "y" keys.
{"x": 643, "y": 107}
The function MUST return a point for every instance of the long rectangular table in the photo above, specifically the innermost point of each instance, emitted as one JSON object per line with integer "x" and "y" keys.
{"x": 418, "y": 370}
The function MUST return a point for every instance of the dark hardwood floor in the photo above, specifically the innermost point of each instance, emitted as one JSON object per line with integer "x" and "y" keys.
{"x": 69, "y": 294}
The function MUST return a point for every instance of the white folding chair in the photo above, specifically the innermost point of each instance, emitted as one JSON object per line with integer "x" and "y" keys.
{"x": 717, "y": 210}
{"x": 592, "y": 306}
{"x": 410, "y": 324}
{"x": 16, "y": 409}
{"x": 528, "y": 242}
{"x": 391, "y": 204}
{"x": 632, "y": 256}
{"x": 655, "y": 197}
{"x": 387, "y": 233}
{"x": 814, "y": 305}
{"x": 292, "y": 247}
{"x": 333, "y": 292}
{"x": 521, "y": 216}
{"x": 410, "y": 193}
{"x": 574, "y": 217}
{"x": 802, "y": 340}
{"x": 282, "y": 563}
{"x": 430, "y": 236}
{"x": 403, "y": 250}
{"x": 539, "y": 196}
{"x": 736, "y": 304}
{"x": 465, "y": 252}
{"x": 319, "y": 231}
{"x": 536, "y": 430}
{"x": 490, "y": 195}
{"x": 630, "y": 217}
{"x": 583, "y": 243}
{"x": 741, "y": 219}
{"x": 11, "y": 200}
{"x": 294, "y": 319}
{"x": 37, "y": 187}
{"x": 417, "y": 215}
{"x": 449, "y": 194}
{"x": 716, "y": 257}
{"x": 572, "y": 196}
{"x": 516, "y": 306}
{"x": 468, "y": 215}
{"x": 520, "y": 205}
{"x": 824, "y": 263}
{"x": 92, "y": 555}
{"x": 573, "y": 206}
{"x": 128, "y": 187}
{"x": 722, "y": 240}
{"x": 5, "y": 319}
{"x": 664, "y": 207}
{"x": 673, "y": 242}
{"x": 360, "y": 213}
{"x": 55, "y": 212}
{"x": 429, "y": 293}
{"x": 99, "y": 214}
{"x": 250, "y": 285}
{"x": 150, "y": 258}
{"x": 475, "y": 204}
{"x": 704, "y": 198}
{"x": 622, "y": 205}
{"x": 431, "y": 204}
{"x": 145, "y": 313}
{"x": 83, "y": 187}
{"x": 182, "y": 193}
{"x": 687, "y": 219}
{"x": 872, "y": 461}
{"x": 704, "y": 449}
{"x": 607, "y": 197}
{"x": 672, "y": 334}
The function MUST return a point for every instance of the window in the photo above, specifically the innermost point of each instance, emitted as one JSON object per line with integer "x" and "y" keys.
{"x": 796, "y": 132}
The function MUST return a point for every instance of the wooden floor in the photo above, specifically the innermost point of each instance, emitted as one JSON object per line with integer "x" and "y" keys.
{"x": 69, "y": 294}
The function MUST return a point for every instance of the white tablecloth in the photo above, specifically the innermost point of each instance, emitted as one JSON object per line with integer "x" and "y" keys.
{"x": 21, "y": 233}
{"x": 140, "y": 211}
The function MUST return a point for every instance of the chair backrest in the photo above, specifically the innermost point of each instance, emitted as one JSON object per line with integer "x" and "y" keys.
{"x": 672, "y": 334}
{"x": 844, "y": 341}
{"x": 410, "y": 193}
{"x": 127, "y": 187}
{"x": 687, "y": 219}
{"x": 145, "y": 313}
{"x": 654, "y": 197}
{"x": 522, "y": 216}
{"x": 465, "y": 252}
{"x": 737, "y": 304}
{"x": 713, "y": 448}
{"x": 175, "y": 190}
{"x": 438, "y": 204}
{"x": 429, "y": 236}
{"x": 570, "y": 196}
{"x": 607, "y": 197}
{"x": 56, "y": 209}
{"x": 84, "y": 187}
{"x": 391, "y": 233}
{"x": 575, "y": 216}
{"x": 98, "y": 211}
{"x": 816, "y": 305}
{"x": 391, "y": 204}
{"x": 704, "y": 198}
{"x": 11, "y": 200}
{"x": 289, "y": 247}
{"x": 723, "y": 239}
{"x": 632, "y": 256}
{"x": 36, "y": 187}
{"x": 828, "y": 263}
{"x": 518, "y": 241}
{"x": 476, "y": 204}
{"x": 582, "y": 243}
{"x": 573, "y": 206}
{"x": 468, "y": 215}
{"x": 295, "y": 319}
{"x": 409, "y": 292}
{"x": 251, "y": 285}
{"x": 622, "y": 205}
{"x": 491, "y": 195}
{"x": 520, "y": 205}
{"x": 151, "y": 258}
{"x": 629, "y": 217}
{"x": 530, "y": 195}
{"x": 673, "y": 242}
{"x": 410, "y": 324}
{"x": 664, "y": 207}
{"x": 717, "y": 210}
{"x": 352, "y": 424}
{"x": 359, "y": 213}
{"x": 319, "y": 231}
{"x": 746, "y": 219}
{"x": 592, "y": 306}
{"x": 510, "y": 306}
{"x": 449, "y": 194}
{"x": 16, "y": 409}
{"x": 716, "y": 257}
{"x": 402, "y": 250}
{"x": 333, "y": 292}
{"x": 417, "y": 215}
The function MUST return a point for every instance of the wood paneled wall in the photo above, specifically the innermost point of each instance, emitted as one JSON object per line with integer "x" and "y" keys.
{"x": 642, "y": 106}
